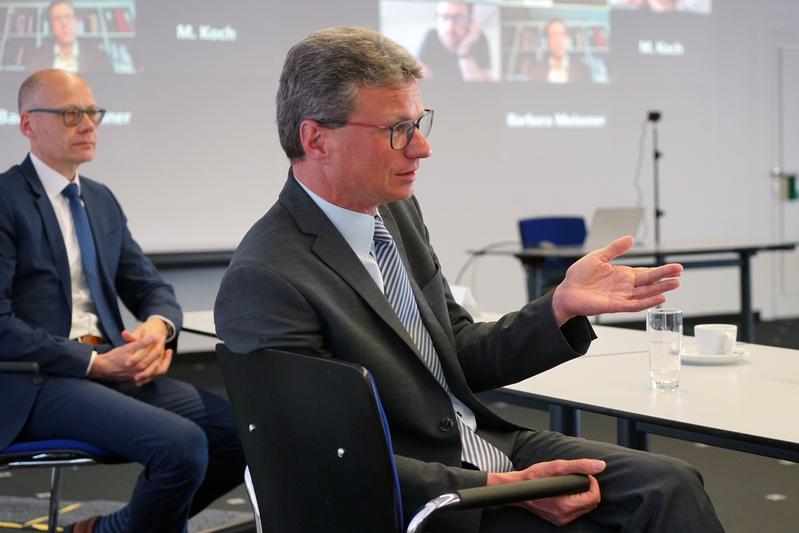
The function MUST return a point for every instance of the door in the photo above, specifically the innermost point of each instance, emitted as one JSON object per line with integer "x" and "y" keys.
{"x": 787, "y": 166}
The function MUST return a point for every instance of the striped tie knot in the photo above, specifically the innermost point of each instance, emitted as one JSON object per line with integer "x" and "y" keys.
{"x": 381, "y": 233}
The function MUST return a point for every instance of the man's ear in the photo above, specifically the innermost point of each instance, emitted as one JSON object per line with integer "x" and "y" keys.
{"x": 25, "y": 126}
{"x": 312, "y": 137}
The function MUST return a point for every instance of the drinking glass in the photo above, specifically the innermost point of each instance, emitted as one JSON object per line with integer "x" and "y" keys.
{"x": 664, "y": 330}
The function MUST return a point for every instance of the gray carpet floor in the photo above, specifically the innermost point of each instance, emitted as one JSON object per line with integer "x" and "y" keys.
{"x": 32, "y": 513}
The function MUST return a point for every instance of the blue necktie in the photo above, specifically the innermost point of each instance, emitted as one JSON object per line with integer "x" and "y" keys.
{"x": 475, "y": 449}
{"x": 88, "y": 255}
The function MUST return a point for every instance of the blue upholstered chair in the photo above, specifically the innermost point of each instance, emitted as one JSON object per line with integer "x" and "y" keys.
{"x": 550, "y": 231}
{"x": 53, "y": 454}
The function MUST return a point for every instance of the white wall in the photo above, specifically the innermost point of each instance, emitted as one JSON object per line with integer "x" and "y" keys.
{"x": 719, "y": 144}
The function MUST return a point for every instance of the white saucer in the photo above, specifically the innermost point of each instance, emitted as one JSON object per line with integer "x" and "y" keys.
{"x": 690, "y": 357}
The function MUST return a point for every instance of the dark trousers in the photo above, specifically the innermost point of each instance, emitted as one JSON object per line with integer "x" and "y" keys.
{"x": 184, "y": 437}
{"x": 641, "y": 492}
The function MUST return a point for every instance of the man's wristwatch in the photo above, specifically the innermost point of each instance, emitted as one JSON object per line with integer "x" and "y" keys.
{"x": 170, "y": 331}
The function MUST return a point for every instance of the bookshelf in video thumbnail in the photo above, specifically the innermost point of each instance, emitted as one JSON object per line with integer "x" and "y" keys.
{"x": 525, "y": 44}
{"x": 109, "y": 26}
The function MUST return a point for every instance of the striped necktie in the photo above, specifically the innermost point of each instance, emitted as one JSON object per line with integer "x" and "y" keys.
{"x": 475, "y": 450}
{"x": 88, "y": 255}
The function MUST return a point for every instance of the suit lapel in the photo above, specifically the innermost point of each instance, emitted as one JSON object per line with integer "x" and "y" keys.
{"x": 441, "y": 341}
{"x": 94, "y": 211}
{"x": 98, "y": 221}
{"x": 52, "y": 230}
{"x": 333, "y": 250}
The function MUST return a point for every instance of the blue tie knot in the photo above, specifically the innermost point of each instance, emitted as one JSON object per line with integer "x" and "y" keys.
{"x": 71, "y": 191}
{"x": 381, "y": 233}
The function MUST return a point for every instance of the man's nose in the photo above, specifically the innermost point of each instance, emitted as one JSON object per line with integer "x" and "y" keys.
{"x": 86, "y": 124}
{"x": 419, "y": 147}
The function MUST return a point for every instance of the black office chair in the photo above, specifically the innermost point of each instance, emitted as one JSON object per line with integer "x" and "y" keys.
{"x": 54, "y": 454}
{"x": 550, "y": 231}
{"x": 319, "y": 448}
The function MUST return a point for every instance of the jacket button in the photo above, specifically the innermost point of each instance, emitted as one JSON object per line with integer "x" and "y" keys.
{"x": 37, "y": 381}
{"x": 446, "y": 425}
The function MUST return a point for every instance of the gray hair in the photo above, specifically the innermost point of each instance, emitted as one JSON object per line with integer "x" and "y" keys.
{"x": 322, "y": 73}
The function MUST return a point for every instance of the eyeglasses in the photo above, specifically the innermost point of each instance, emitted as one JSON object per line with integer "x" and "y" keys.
{"x": 63, "y": 18}
{"x": 455, "y": 19}
{"x": 73, "y": 115}
{"x": 401, "y": 132}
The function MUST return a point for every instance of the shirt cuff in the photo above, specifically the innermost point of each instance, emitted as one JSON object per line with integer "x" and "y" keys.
{"x": 171, "y": 332}
{"x": 91, "y": 362}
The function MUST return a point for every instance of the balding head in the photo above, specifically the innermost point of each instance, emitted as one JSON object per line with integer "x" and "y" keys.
{"x": 30, "y": 92}
{"x": 43, "y": 99}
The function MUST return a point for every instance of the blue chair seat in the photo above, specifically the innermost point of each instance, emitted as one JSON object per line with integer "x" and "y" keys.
{"x": 55, "y": 454}
{"x": 40, "y": 451}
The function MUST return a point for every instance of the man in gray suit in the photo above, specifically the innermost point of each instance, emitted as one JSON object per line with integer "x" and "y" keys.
{"x": 341, "y": 266}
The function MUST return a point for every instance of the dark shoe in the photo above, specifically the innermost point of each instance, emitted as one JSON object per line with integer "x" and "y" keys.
{"x": 83, "y": 526}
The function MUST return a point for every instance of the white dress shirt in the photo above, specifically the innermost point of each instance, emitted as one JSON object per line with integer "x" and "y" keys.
{"x": 558, "y": 74}
{"x": 62, "y": 63}
{"x": 84, "y": 315}
{"x": 358, "y": 229}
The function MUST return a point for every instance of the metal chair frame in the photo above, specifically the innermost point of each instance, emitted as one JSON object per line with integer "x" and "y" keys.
{"x": 55, "y": 454}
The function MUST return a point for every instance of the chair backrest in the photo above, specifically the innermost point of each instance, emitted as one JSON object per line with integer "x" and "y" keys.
{"x": 559, "y": 231}
{"x": 316, "y": 442}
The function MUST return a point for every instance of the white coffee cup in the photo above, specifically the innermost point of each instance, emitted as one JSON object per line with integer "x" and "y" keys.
{"x": 715, "y": 339}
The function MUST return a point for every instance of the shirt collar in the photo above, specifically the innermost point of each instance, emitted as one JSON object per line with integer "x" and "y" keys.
{"x": 358, "y": 229}
{"x": 53, "y": 181}
{"x": 75, "y": 49}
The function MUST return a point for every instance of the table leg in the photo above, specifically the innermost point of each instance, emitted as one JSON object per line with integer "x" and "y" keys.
{"x": 564, "y": 420}
{"x": 535, "y": 282}
{"x": 747, "y": 316}
{"x": 627, "y": 435}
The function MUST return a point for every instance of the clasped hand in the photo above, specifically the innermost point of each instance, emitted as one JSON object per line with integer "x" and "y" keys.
{"x": 140, "y": 360}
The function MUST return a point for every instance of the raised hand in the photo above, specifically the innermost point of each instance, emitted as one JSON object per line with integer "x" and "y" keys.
{"x": 593, "y": 285}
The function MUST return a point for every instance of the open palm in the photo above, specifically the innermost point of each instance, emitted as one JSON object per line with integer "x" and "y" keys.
{"x": 593, "y": 285}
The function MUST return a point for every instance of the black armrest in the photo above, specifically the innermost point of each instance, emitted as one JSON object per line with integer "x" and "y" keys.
{"x": 522, "y": 491}
{"x": 500, "y": 494}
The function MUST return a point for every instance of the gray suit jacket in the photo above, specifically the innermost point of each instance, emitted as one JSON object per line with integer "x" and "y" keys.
{"x": 294, "y": 284}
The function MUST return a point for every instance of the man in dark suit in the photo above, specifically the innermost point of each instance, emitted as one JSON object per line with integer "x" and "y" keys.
{"x": 341, "y": 266}
{"x": 66, "y": 256}
{"x": 65, "y": 51}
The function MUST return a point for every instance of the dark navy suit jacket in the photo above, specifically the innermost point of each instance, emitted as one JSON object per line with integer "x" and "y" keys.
{"x": 35, "y": 286}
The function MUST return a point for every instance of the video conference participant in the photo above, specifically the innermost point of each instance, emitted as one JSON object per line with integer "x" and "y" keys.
{"x": 664, "y": 6}
{"x": 65, "y": 51}
{"x": 66, "y": 256}
{"x": 456, "y": 49}
{"x": 342, "y": 266}
{"x": 558, "y": 66}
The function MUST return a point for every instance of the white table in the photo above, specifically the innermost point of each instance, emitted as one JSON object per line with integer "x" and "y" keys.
{"x": 747, "y": 406}
{"x": 199, "y": 322}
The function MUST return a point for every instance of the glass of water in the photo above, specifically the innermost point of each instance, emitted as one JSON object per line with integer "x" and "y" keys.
{"x": 664, "y": 330}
